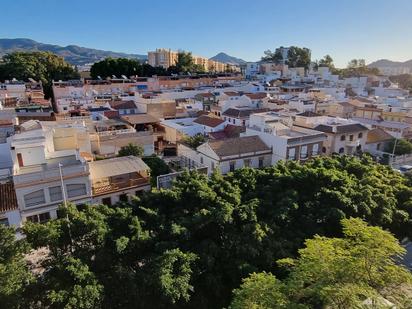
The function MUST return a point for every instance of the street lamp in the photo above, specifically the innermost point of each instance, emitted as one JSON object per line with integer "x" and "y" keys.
{"x": 62, "y": 185}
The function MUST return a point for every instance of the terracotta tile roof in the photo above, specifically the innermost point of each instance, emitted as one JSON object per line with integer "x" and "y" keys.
{"x": 256, "y": 96}
{"x": 231, "y": 93}
{"x": 342, "y": 128}
{"x": 209, "y": 121}
{"x": 8, "y": 199}
{"x": 378, "y": 135}
{"x": 140, "y": 118}
{"x": 238, "y": 145}
{"x": 229, "y": 131}
{"x": 206, "y": 95}
{"x": 122, "y": 104}
{"x": 308, "y": 114}
{"x": 6, "y": 122}
{"x": 241, "y": 113}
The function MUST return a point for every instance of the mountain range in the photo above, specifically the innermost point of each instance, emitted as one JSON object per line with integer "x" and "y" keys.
{"x": 385, "y": 63}
{"x": 73, "y": 54}
{"x": 77, "y": 55}
{"x": 225, "y": 58}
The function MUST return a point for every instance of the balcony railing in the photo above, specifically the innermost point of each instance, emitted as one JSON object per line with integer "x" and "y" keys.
{"x": 116, "y": 186}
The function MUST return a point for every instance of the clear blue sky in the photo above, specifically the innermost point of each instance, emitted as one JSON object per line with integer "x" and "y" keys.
{"x": 345, "y": 29}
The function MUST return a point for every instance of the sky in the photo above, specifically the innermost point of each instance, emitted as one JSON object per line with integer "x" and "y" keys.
{"x": 344, "y": 29}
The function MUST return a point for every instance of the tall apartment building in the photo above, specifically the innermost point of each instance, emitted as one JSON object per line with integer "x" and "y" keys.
{"x": 162, "y": 57}
{"x": 166, "y": 57}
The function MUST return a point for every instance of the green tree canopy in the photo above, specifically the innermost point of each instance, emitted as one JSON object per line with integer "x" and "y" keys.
{"x": 41, "y": 66}
{"x": 327, "y": 61}
{"x": 191, "y": 245}
{"x": 157, "y": 167}
{"x": 341, "y": 273}
{"x": 131, "y": 150}
{"x": 298, "y": 57}
{"x": 195, "y": 140}
{"x": 357, "y": 67}
{"x": 403, "y": 146}
{"x": 14, "y": 272}
{"x": 123, "y": 66}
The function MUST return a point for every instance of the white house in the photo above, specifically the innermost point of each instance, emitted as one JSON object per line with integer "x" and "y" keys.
{"x": 288, "y": 142}
{"x": 230, "y": 154}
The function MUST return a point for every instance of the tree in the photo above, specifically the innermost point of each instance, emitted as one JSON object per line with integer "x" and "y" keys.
{"x": 98, "y": 249}
{"x": 184, "y": 62}
{"x": 275, "y": 57}
{"x": 131, "y": 150}
{"x": 124, "y": 66}
{"x": 403, "y": 146}
{"x": 157, "y": 167}
{"x": 298, "y": 57}
{"x": 357, "y": 67}
{"x": 404, "y": 80}
{"x": 41, "y": 66}
{"x": 191, "y": 245}
{"x": 194, "y": 141}
{"x": 340, "y": 273}
{"x": 327, "y": 61}
{"x": 14, "y": 273}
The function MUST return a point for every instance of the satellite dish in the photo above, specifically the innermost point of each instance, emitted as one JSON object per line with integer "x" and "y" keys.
{"x": 114, "y": 76}
{"x": 98, "y": 77}
{"x": 124, "y": 77}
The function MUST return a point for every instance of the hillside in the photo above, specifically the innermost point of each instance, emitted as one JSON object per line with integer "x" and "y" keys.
{"x": 73, "y": 54}
{"x": 225, "y": 58}
{"x": 390, "y": 63}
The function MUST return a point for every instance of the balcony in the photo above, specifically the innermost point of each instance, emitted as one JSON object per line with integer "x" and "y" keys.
{"x": 354, "y": 143}
{"x": 110, "y": 185}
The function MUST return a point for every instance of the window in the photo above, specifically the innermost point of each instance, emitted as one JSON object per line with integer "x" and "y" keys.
{"x": 304, "y": 152}
{"x": 201, "y": 160}
{"x": 123, "y": 198}
{"x": 341, "y": 150}
{"x": 243, "y": 122}
{"x": 34, "y": 198}
{"x": 213, "y": 166}
{"x": 232, "y": 166}
{"x": 360, "y": 135}
{"x": 107, "y": 201}
{"x": 77, "y": 189}
{"x": 261, "y": 160}
{"x": 324, "y": 149}
{"x": 315, "y": 149}
{"x": 343, "y": 137}
{"x": 139, "y": 193}
{"x": 246, "y": 162}
{"x": 4, "y": 221}
{"x": 55, "y": 193}
{"x": 40, "y": 218}
{"x": 351, "y": 137}
{"x": 292, "y": 154}
{"x": 378, "y": 146}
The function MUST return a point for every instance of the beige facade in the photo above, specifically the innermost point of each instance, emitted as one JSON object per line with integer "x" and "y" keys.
{"x": 166, "y": 57}
{"x": 162, "y": 57}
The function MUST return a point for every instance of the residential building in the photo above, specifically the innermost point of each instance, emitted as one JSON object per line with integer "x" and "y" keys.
{"x": 377, "y": 141}
{"x": 45, "y": 172}
{"x": 9, "y": 212}
{"x": 118, "y": 179}
{"x": 230, "y": 154}
{"x": 287, "y": 141}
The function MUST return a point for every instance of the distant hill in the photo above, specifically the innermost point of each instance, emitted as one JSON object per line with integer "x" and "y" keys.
{"x": 225, "y": 58}
{"x": 73, "y": 54}
{"x": 392, "y": 67}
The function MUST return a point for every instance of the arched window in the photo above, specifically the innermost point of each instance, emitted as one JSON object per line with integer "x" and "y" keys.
{"x": 360, "y": 135}
{"x": 341, "y": 150}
